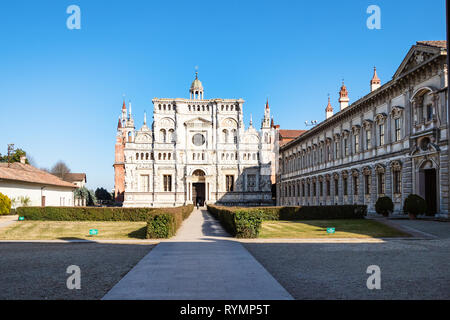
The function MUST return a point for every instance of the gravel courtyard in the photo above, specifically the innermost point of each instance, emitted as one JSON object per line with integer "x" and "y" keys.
{"x": 38, "y": 270}
{"x": 410, "y": 269}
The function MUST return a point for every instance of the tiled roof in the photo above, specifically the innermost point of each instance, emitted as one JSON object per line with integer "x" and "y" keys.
{"x": 291, "y": 133}
{"x": 72, "y": 177}
{"x": 26, "y": 173}
{"x": 439, "y": 43}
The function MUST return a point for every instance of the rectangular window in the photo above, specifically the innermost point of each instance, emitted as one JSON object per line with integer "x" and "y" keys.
{"x": 397, "y": 129}
{"x": 344, "y": 180}
{"x": 357, "y": 143}
{"x": 336, "y": 150}
{"x": 309, "y": 190}
{"x": 328, "y": 188}
{"x": 355, "y": 185}
{"x": 314, "y": 189}
{"x": 229, "y": 183}
{"x": 381, "y": 183}
{"x": 368, "y": 139}
{"x": 321, "y": 188}
{"x": 145, "y": 183}
{"x": 367, "y": 184}
{"x": 336, "y": 187}
{"x": 345, "y": 147}
{"x": 303, "y": 189}
{"x": 251, "y": 182}
{"x": 397, "y": 182}
{"x": 329, "y": 153}
{"x": 167, "y": 182}
{"x": 429, "y": 112}
{"x": 381, "y": 132}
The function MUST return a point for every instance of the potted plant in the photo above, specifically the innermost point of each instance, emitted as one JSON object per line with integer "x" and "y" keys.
{"x": 414, "y": 205}
{"x": 384, "y": 206}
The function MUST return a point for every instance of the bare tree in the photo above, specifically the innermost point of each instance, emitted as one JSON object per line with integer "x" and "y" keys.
{"x": 60, "y": 169}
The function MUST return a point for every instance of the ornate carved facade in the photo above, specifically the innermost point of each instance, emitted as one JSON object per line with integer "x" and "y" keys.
{"x": 195, "y": 150}
{"x": 392, "y": 142}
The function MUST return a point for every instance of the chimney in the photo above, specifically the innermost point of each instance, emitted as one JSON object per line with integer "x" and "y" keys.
{"x": 23, "y": 159}
{"x": 375, "y": 83}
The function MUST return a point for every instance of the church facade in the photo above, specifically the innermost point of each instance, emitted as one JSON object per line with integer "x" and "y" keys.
{"x": 196, "y": 150}
{"x": 392, "y": 142}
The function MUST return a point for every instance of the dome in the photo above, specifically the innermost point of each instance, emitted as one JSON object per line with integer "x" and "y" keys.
{"x": 196, "y": 84}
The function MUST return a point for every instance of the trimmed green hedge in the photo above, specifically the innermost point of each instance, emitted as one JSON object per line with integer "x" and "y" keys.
{"x": 161, "y": 222}
{"x": 246, "y": 222}
{"x": 240, "y": 223}
{"x": 95, "y": 213}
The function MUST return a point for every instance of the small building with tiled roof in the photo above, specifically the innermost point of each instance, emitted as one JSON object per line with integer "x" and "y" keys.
{"x": 78, "y": 179}
{"x": 20, "y": 180}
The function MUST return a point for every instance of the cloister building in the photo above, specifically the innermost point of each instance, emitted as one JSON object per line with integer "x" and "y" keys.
{"x": 391, "y": 142}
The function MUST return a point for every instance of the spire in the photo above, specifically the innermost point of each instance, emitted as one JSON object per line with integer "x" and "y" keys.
{"x": 272, "y": 123}
{"x": 145, "y": 118}
{"x": 124, "y": 106}
{"x": 329, "y": 109}
{"x": 267, "y": 103}
{"x": 375, "y": 83}
{"x": 129, "y": 116}
{"x": 251, "y": 120}
{"x": 119, "y": 125}
{"x": 343, "y": 97}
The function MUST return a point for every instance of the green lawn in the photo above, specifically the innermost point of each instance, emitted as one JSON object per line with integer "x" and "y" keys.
{"x": 318, "y": 229}
{"x": 52, "y": 230}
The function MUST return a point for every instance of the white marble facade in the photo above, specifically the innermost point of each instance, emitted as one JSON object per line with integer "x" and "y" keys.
{"x": 196, "y": 150}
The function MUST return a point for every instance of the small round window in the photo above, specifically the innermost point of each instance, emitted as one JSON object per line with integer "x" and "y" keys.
{"x": 198, "y": 139}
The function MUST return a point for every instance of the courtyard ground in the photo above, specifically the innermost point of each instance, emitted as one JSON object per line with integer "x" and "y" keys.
{"x": 410, "y": 269}
{"x": 38, "y": 270}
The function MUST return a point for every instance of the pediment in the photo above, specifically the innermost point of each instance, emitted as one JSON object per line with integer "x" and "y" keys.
{"x": 417, "y": 56}
{"x": 143, "y": 137}
{"x": 197, "y": 122}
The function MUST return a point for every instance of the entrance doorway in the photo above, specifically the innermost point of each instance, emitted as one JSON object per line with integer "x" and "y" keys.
{"x": 198, "y": 193}
{"x": 430, "y": 191}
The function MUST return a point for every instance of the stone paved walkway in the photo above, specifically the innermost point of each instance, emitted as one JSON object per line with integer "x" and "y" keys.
{"x": 202, "y": 262}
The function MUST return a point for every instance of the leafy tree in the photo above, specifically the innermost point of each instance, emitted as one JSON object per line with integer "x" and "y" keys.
{"x": 60, "y": 169}
{"x": 91, "y": 200}
{"x": 14, "y": 156}
{"x": 103, "y": 194}
{"x": 5, "y": 204}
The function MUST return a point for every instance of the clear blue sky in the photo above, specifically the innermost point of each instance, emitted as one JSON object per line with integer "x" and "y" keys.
{"x": 61, "y": 90}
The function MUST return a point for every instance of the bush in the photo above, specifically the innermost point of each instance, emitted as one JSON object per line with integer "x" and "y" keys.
{"x": 5, "y": 205}
{"x": 384, "y": 206}
{"x": 242, "y": 223}
{"x": 161, "y": 226}
{"x": 415, "y": 205}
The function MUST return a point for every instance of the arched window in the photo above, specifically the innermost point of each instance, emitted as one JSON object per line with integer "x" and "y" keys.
{"x": 137, "y": 156}
{"x": 234, "y": 133}
{"x": 146, "y": 156}
{"x": 142, "y": 156}
{"x": 129, "y": 136}
{"x": 169, "y": 155}
{"x": 163, "y": 136}
{"x": 171, "y": 137}
{"x": 225, "y": 135}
